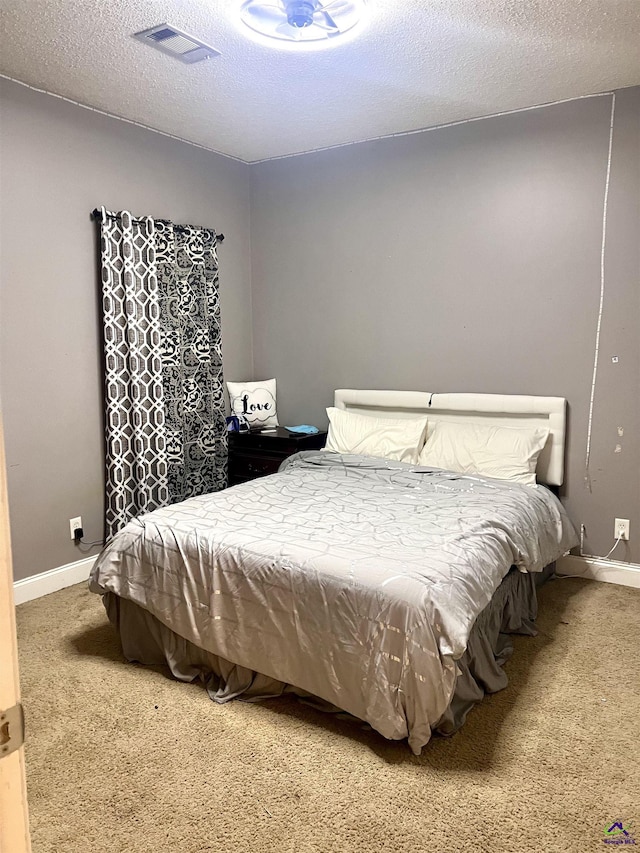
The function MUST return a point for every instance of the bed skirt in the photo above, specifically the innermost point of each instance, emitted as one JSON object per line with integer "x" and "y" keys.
{"x": 512, "y": 610}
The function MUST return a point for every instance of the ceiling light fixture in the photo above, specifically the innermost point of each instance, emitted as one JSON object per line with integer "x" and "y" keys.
{"x": 301, "y": 23}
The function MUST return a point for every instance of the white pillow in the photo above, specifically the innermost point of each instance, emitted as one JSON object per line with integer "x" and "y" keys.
{"x": 255, "y": 402}
{"x": 391, "y": 438}
{"x": 493, "y": 451}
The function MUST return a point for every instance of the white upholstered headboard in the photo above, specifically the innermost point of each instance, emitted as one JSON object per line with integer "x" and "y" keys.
{"x": 499, "y": 409}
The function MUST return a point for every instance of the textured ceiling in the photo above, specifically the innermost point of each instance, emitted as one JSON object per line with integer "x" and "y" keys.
{"x": 415, "y": 64}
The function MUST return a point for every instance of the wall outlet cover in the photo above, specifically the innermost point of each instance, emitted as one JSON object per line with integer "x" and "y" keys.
{"x": 75, "y": 524}
{"x": 621, "y": 530}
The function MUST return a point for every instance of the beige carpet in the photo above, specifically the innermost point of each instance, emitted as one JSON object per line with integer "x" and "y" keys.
{"x": 120, "y": 758}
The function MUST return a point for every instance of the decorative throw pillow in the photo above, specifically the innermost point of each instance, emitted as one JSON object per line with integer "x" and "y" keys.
{"x": 468, "y": 448}
{"x": 400, "y": 439}
{"x": 255, "y": 402}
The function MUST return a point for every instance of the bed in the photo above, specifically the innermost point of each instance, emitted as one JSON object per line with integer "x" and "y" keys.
{"x": 377, "y": 586}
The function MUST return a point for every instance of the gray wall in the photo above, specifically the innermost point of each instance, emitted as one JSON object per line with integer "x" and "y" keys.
{"x": 58, "y": 163}
{"x": 465, "y": 259}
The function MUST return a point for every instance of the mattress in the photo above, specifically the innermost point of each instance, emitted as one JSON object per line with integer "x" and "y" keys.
{"x": 356, "y": 579}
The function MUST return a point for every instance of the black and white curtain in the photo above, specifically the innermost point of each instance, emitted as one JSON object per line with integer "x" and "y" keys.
{"x": 165, "y": 429}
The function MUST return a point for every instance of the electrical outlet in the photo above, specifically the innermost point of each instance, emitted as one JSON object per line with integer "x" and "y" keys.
{"x": 622, "y": 529}
{"x": 75, "y": 524}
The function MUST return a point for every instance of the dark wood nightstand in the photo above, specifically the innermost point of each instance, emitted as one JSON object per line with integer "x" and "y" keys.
{"x": 256, "y": 454}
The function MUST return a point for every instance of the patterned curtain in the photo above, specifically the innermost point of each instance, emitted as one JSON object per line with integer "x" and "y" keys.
{"x": 165, "y": 422}
{"x": 192, "y": 359}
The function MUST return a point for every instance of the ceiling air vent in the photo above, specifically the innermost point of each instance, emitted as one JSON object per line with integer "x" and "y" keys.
{"x": 170, "y": 40}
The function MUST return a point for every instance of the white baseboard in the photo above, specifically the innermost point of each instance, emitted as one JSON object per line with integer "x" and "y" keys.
{"x": 51, "y": 581}
{"x": 598, "y": 569}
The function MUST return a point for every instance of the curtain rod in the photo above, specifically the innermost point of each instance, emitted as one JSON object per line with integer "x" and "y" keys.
{"x": 96, "y": 214}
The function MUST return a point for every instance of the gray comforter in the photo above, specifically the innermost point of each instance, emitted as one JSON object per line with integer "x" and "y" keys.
{"x": 353, "y": 578}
